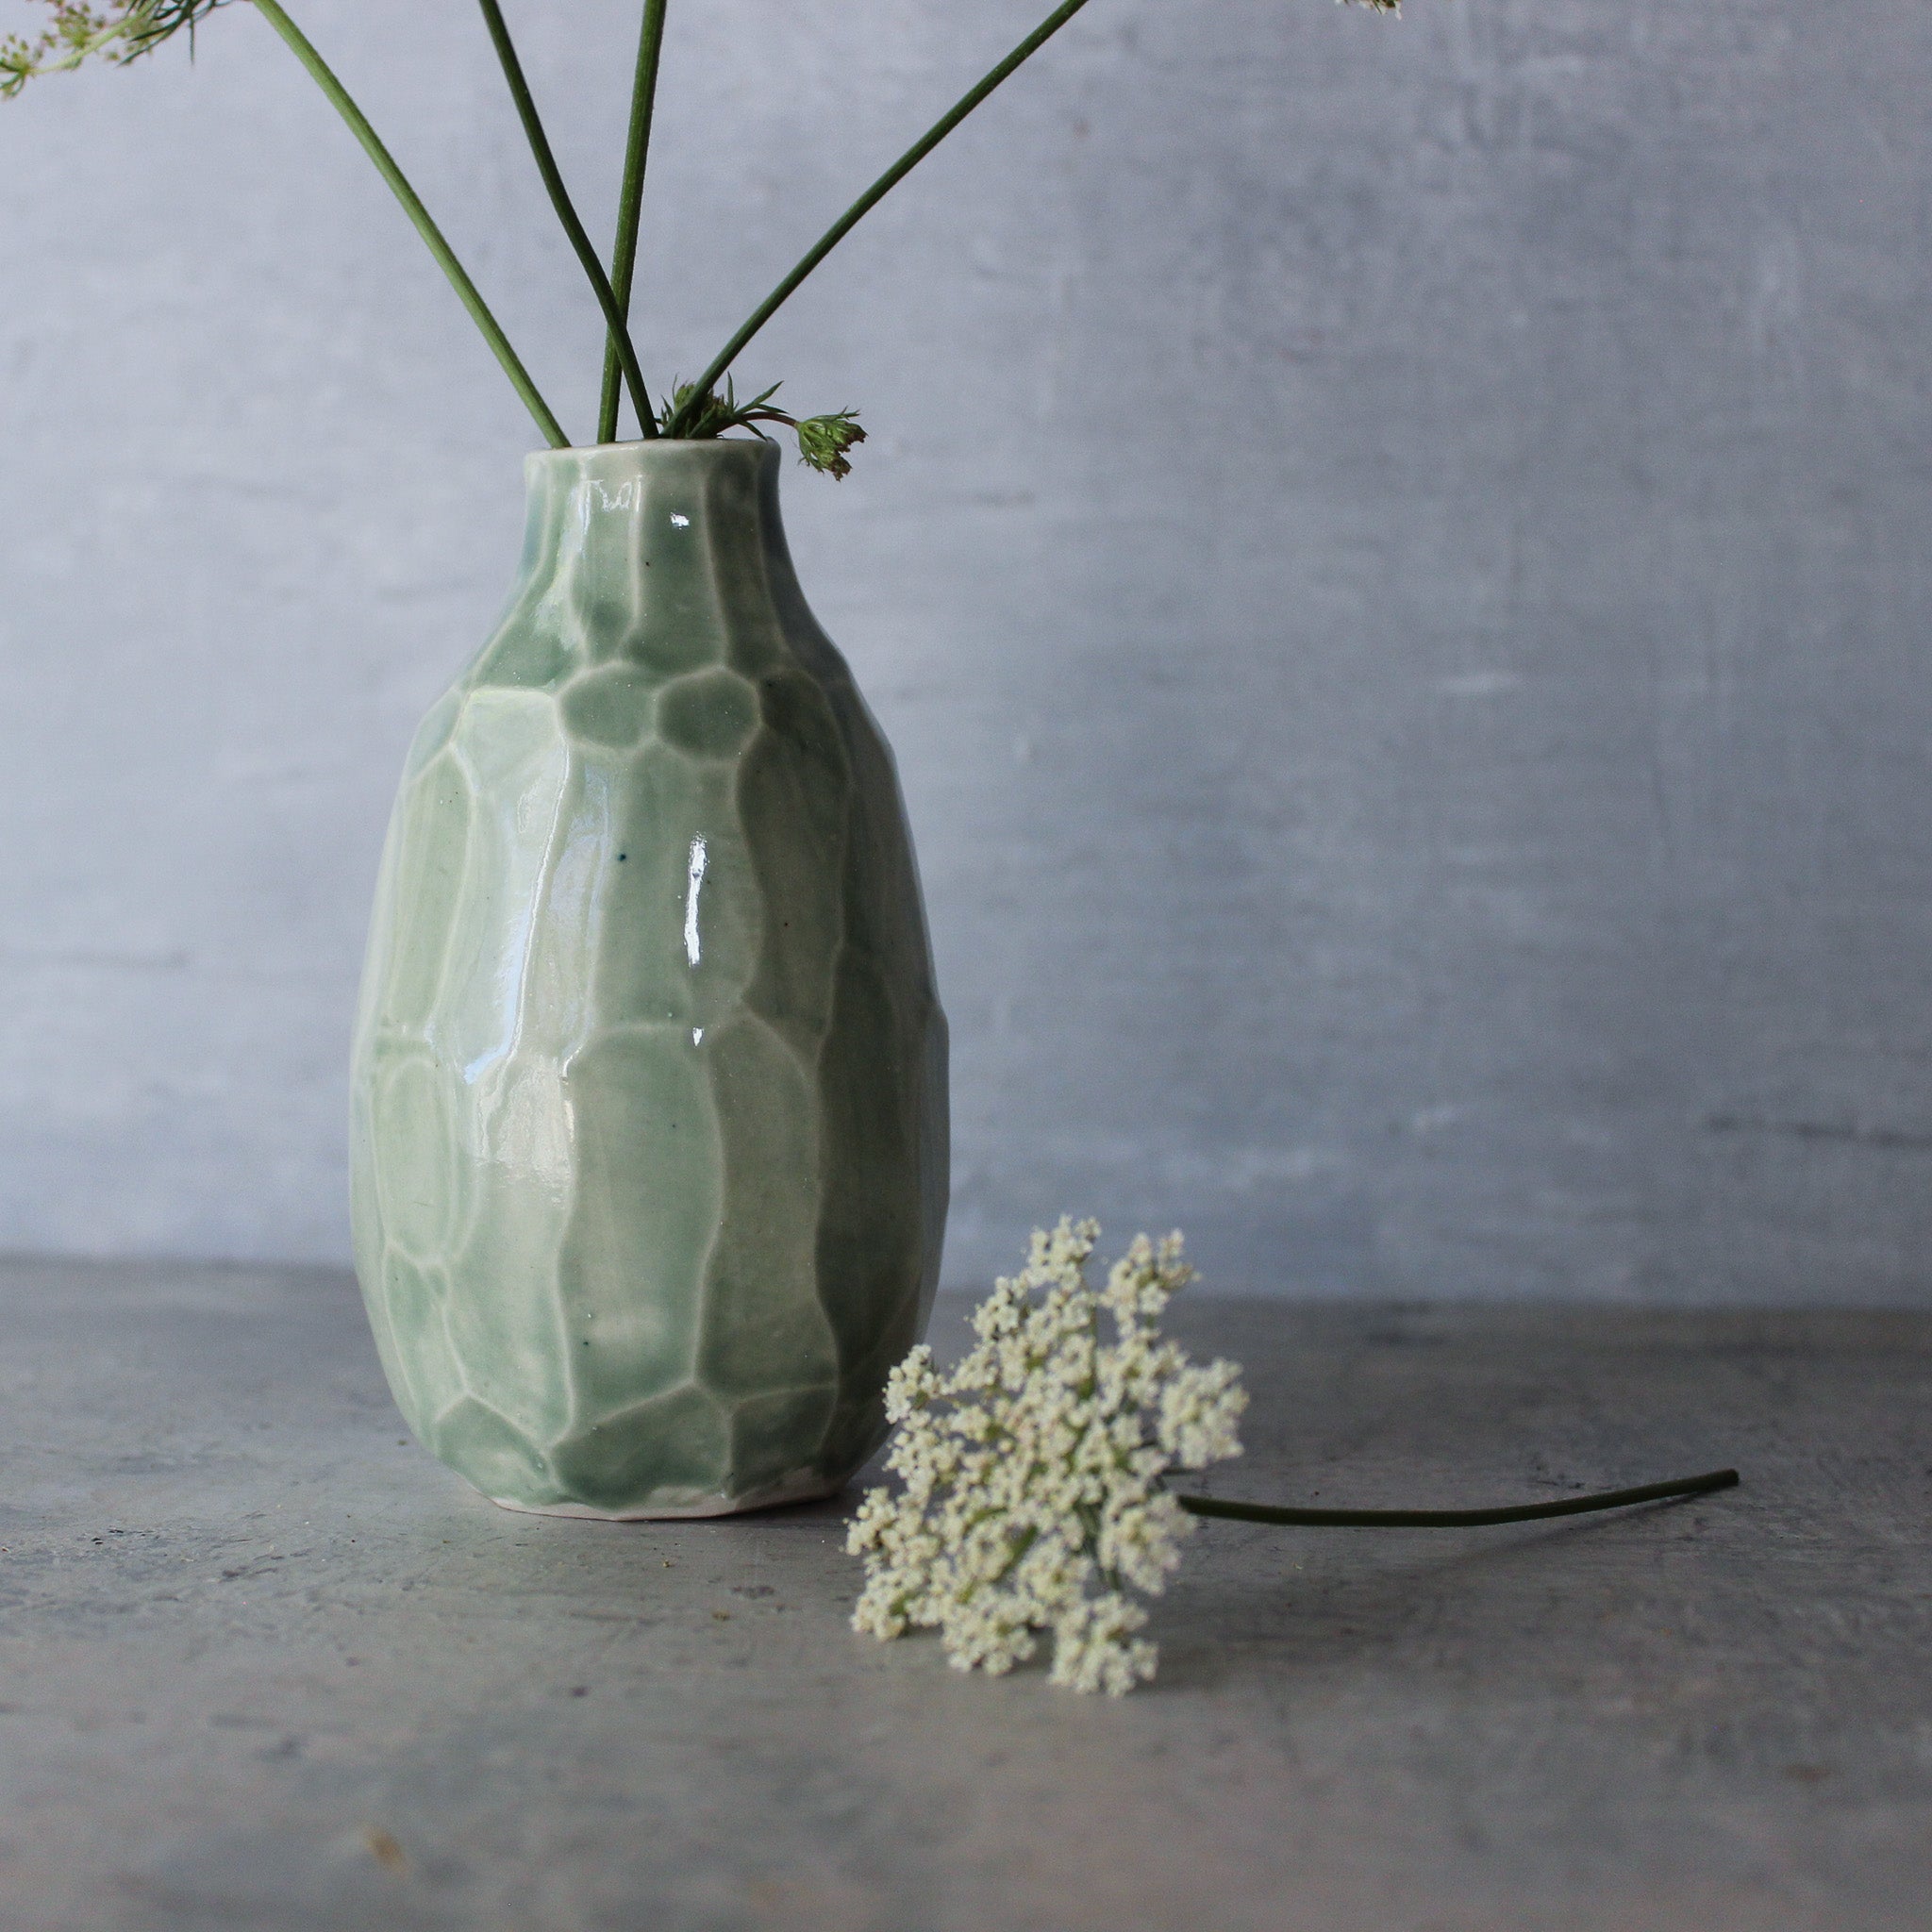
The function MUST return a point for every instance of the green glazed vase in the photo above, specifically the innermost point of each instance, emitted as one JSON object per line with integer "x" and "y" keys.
{"x": 649, "y": 1142}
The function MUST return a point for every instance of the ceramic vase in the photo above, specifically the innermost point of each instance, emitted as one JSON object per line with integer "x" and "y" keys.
{"x": 649, "y": 1142}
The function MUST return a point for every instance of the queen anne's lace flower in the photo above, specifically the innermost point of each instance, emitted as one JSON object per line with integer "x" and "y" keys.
{"x": 1030, "y": 1496}
{"x": 75, "y": 32}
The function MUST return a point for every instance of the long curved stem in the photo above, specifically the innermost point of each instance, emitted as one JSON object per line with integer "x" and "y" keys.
{"x": 630, "y": 202}
{"x": 828, "y": 242}
{"x": 1458, "y": 1519}
{"x": 561, "y": 201}
{"x": 339, "y": 98}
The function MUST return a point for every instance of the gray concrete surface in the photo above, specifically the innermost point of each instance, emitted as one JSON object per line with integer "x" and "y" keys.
{"x": 1394, "y": 556}
{"x": 262, "y": 1664}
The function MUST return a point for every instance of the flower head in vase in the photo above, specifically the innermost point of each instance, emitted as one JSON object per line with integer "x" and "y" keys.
{"x": 1030, "y": 1496}
{"x": 71, "y": 34}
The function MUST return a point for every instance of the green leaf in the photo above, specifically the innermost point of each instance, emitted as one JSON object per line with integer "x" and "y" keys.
{"x": 823, "y": 441}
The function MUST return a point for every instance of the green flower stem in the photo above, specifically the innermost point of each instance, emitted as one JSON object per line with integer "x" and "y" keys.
{"x": 680, "y": 421}
{"x": 412, "y": 207}
{"x": 561, "y": 201}
{"x": 630, "y": 202}
{"x": 1458, "y": 1519}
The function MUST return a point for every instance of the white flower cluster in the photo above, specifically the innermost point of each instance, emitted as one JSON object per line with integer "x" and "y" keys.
{"x": 1031, "y": 1494}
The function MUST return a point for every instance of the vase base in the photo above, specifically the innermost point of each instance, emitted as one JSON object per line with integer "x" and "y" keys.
{"x": 812, "y": 1489}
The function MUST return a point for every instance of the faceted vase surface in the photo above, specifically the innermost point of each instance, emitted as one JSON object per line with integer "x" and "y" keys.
{"x": 649, "y": 1140}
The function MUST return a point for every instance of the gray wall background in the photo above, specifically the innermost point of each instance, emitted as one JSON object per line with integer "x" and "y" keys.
{"x": 1394, "y": 558}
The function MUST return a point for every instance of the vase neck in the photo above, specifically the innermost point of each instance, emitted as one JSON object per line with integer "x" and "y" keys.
{"x": 622, "y": 540}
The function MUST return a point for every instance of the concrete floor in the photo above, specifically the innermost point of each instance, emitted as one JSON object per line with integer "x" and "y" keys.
{"x": 263, "y": 1663}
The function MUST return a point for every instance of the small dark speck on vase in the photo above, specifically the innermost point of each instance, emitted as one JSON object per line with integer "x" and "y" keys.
{"x": 622, "y": 856}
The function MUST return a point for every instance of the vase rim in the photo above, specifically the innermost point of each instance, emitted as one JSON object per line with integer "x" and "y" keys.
{"x": 657, "y": 448}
